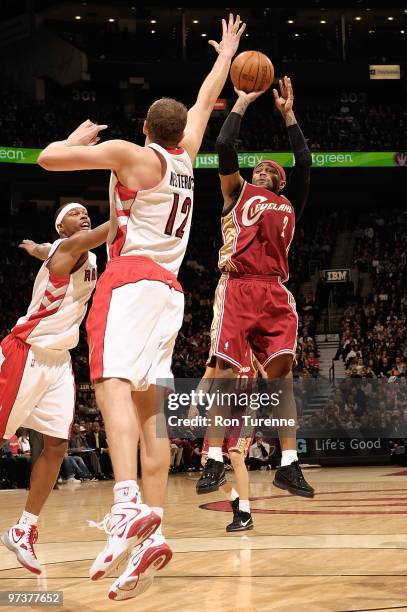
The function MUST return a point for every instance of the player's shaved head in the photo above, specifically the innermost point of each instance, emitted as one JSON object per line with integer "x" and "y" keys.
{"x": 166, "y": 121}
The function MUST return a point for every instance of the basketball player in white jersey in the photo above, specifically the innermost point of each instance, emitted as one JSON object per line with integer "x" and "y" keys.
{"x": 37, "y": 388}
{"x": 138, "y": 305}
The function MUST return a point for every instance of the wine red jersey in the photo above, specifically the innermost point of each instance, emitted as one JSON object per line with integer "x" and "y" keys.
{"x": 257, "y": 233}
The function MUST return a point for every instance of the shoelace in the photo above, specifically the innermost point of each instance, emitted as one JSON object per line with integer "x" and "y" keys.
{"x": 298, "y": 472}
{"x": 32, "y": 538}
{"x": 210, "y": 470}
{"x": 104, "y": 525}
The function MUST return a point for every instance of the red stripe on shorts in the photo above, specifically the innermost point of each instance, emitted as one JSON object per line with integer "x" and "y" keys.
{"x": 96, "y": 329}
{"x": 15, "y": 352}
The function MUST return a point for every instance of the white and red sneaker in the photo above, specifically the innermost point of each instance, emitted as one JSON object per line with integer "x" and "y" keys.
{"x": 127, "y": 525}
{"x": 20, "y": 539}
{"x": 146, "y": 559}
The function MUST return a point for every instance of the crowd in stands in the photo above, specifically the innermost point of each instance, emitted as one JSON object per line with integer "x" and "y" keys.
{"x": 374, "y": 329}
{"x": 329, "y": 124}
{"x": 87, "y": 458}
{"x": 373, "y": 395}
{"x": 366, "y": 407}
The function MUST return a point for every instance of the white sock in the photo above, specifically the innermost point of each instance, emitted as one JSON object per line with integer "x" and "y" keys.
{"x": 288, "y": 456}
{"x": 28, "y": 519}
{"x": 244, "y": 505}
{"x": 215, "y": 452}
{"x": 125, "y": 491}
{"x": 233, "y": 494}
{"x": 160, "y": 512}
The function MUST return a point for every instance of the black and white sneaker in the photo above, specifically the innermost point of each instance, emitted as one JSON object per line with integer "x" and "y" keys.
{"x": 290, "y": 478}
{"x": 242, "y": 521}
{"x": 212, "y": 477}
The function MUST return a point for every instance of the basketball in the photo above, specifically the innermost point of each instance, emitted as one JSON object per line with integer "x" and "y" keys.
{"x": 252, "y": 71}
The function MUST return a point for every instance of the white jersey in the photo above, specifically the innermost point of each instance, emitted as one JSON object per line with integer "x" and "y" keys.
{"x": 154, "y": 222}
{"x": 58, "y": 305}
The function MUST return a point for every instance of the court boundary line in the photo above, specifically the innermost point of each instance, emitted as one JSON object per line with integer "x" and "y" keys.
{"x": 236, "y": 576}
{"x": 372, "y": 609}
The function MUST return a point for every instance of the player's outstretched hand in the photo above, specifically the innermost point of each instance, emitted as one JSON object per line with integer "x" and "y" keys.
{"x": 28, "y": 246}
{"x": 248, "y": 97}
{"x": 231, "y": 34}
{"x": 86, "y": 134}
{"x": 284, "y": 101}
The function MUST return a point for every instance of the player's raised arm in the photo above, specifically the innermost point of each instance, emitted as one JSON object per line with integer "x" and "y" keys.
{"x": 67, "y": 255}
{"x": 81, "y": 151}
{"x": 298, "y": 186}
{"x": 198, "y": 115}
{"x": 230, "y": 178}
{"x": 40, "y": 251}
{"x": 85, "y": 240}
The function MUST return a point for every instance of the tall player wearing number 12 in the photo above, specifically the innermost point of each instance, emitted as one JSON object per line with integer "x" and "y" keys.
{"x": 138, "y": 305}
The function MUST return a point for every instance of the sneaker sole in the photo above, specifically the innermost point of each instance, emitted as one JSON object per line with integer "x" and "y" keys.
{"x": 6, "y": 542}
{"x": 137, "y": 534}
{"x": 240, "y": 529}
{"x": 211, "y": 489}
{"x": 293, "y": 490}
{"x": 154, "y": 561}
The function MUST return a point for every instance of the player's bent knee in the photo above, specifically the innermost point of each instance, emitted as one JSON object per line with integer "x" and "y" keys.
{"x": 55, "y": 447}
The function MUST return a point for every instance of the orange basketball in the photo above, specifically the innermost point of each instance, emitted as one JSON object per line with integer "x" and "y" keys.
{"x": 252, "y": 71}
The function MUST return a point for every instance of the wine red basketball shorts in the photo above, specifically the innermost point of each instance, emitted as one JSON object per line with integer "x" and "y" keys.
{"x": 253, "y": 312}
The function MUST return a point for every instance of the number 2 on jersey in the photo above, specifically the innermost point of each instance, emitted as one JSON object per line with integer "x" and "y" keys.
{"x": 185, "y": 209}
{"x": 285, "y": 221}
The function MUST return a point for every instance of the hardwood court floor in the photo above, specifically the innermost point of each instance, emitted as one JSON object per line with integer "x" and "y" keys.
{"x": 344, "y": 550}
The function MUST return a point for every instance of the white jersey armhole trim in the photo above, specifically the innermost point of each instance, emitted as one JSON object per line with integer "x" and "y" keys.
{"x": 160, "y": 152}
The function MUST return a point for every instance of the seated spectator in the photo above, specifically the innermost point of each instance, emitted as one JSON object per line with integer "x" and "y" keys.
{"x": 74, "y": 466}
{"x": 24, "y": 443}
{"x": 313, "y": 363}
{"x": 176, "y": 455}
{"x": 96, "y": 438}
{"x": 8, "y": 468}
{"x": 17, "y": 461}
{"x": 78, "y": 446}
{"x": 260, "y": 454}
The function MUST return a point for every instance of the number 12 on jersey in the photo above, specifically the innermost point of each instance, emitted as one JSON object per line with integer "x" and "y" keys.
{"x": 185, "y": 209}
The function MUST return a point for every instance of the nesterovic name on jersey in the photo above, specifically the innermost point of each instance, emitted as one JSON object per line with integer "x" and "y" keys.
{"x": 255, "y": 206}
{"x": 185, "y": 181}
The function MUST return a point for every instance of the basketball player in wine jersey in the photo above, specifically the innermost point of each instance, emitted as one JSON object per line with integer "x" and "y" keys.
{"x": 252, "y": 307}
{"x": 37, "y": 388}
{"x": 138, "y": 305}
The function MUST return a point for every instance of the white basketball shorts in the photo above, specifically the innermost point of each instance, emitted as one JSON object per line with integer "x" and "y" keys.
{"x": 37, "y": 389}
{"x": 136, "y": 314}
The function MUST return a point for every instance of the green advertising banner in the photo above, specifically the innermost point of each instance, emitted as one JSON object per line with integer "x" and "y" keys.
{"x": 337, "y": 159}
{"x": 13, "y": 155}
{"x": 207, "y": 161}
